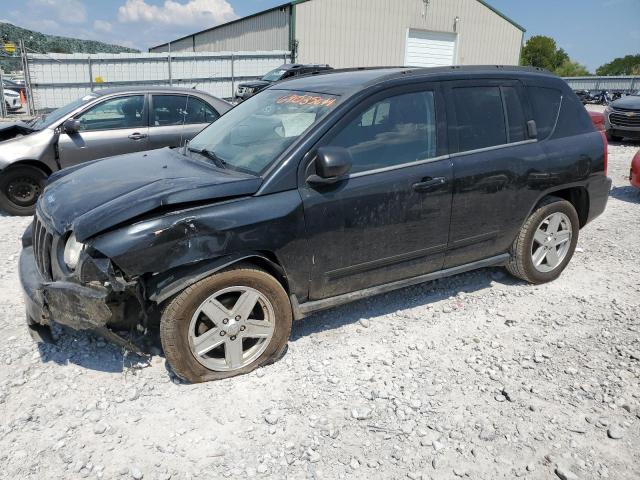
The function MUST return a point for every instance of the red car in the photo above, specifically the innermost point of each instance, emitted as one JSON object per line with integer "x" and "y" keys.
{"x": 634, "y": 175}
{"x": 598, "y": 120}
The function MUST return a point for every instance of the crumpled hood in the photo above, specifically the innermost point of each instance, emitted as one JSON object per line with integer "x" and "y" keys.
{"x": 13, "y": 129}
{"x": 95, "y": 196}
{"x": 630, "y": 101}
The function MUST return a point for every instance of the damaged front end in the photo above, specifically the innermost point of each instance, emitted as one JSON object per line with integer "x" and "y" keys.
{"x": 13, "y": 130}
{"x": 92, "y": 296}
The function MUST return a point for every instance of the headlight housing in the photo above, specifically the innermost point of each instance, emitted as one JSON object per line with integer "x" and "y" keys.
{"x": 72, "y": 251}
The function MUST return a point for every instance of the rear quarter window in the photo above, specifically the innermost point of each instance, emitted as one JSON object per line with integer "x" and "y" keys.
{"x": 573, "y": 119}
{"x": 545, "y": 103}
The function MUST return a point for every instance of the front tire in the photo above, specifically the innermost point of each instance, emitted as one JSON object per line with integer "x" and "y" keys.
{"x": 225, "y": 325}
{"x": 20, "y": 188}
{"x": 546, "y": 242}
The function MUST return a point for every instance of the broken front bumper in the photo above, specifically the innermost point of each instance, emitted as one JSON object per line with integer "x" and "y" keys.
{"x": 77, "y": 306}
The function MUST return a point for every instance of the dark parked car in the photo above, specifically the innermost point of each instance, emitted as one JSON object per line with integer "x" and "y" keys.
{"x": 105, "y": 123}
{"x": 288, "y": 70}
{"x": 316, "y": 192}
{"x": 622, "y": 118}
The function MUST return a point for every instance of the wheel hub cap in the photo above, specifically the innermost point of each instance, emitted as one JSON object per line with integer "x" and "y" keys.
{"x": 231, "y": 328}
{"x": 551, "y": 242}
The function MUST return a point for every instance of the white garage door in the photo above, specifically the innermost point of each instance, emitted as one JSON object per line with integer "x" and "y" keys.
{"x": 430, "y": 49}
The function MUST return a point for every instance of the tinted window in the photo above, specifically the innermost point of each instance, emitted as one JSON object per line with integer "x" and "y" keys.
{"x": 515, "y": 114}
{"x": 120, "y": 112}
{"x": 394, "y": 131}
{"x": 545, "y": 103}
{"x": 480, "y": 117}
{"x": 574, "y": 119}
{"x": 179, "y": 110}
{"x": 199, "y": 111}
{"x": 168, "y": 110}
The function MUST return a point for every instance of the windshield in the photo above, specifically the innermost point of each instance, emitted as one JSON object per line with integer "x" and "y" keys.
{"x": 47, "y": 120}
{"x": 251, "y": 136}
{"x": 274, "y": 75}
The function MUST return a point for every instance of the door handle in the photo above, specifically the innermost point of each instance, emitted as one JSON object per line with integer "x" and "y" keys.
{"x": 137, "y": 136}
{"x": 429, "y": 184}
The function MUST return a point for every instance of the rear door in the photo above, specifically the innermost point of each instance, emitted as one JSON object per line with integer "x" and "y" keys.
{"x": 176, "y": 119}
{"x": 115, "y": 126}
{"x": 494, "y": 162}
{"x": 389, "y": 219}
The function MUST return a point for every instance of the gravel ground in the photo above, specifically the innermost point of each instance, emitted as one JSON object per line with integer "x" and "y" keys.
{"x": 478, "y": 376}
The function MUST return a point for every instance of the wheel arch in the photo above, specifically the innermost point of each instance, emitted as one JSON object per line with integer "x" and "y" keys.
{"x": 39, "y": 164}
{"x": 578, "y": 196}
{"x": 161, "y": 287}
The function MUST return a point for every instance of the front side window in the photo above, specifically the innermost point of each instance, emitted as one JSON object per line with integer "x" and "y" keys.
{"x": 395, "y": 131}
{"x": 251, "y": 136}
{"x": 49, "y": 119}
{"x": 120, "y": 112}
{"x": 480, "y": 121}
{"x": 180, "y": 110}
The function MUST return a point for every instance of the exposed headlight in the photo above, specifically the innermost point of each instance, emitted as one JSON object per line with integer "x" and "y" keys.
{"x": 72, "y": 251}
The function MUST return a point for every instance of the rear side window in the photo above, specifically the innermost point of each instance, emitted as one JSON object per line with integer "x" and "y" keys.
{"x": 515, "y": 114}
{"x": 480, "y": 117}
{"x": 574, "y": 119}
{"x": 546, "y": 104}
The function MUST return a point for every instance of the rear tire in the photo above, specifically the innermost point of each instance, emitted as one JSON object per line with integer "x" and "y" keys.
{"x": 20, "y": 188}
{"x": 541, "y": 251}
{"x": 202, "y": 326}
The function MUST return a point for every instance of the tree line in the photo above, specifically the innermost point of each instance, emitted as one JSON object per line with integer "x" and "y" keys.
{"x": 543, "y": 52}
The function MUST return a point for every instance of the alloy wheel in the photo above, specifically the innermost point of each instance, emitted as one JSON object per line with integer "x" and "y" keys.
{"x": 551, "y": 242}
{"x": 231, "y": 328}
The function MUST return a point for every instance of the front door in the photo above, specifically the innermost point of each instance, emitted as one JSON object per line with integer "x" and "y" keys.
{"x": 389, "y": 219}
{"x": 114, "y": 126}
{"x": 176, "y": 119}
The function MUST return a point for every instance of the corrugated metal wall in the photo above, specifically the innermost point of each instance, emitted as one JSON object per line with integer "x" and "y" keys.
{"x": 604, "y": 83}
{"x": 347, "y": 33}
{"x": 266, "y": 31}
{"x": 58, "y": 79}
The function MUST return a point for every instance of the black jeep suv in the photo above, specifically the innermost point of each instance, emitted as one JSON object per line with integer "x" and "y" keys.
{"x": 283, "y": 72}
{"x": 316, "y": 192}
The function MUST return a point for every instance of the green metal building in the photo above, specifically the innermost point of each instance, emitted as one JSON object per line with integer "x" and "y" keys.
{"x": 348, "y": 33}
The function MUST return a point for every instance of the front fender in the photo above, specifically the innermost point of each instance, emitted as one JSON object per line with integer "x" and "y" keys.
{"x": 162, "y": 286}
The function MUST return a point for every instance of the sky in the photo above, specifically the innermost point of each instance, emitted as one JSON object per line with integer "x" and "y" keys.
{"x": 593, "y": 32}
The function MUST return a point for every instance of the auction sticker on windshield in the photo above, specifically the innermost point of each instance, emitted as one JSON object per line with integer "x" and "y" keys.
{"x": 316, "y": 100}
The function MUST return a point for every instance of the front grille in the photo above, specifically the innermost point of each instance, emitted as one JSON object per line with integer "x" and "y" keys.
{"x": 42, "y": 242}
{"x": 623, "y": 120}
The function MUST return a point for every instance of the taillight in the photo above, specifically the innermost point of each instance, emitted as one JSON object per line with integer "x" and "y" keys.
{"x": 606, "y": 151}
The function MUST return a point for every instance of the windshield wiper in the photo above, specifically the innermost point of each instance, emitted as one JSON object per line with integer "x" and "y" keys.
{"x": 220, "y": 163}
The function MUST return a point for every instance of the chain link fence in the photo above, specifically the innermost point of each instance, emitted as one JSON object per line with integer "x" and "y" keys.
{"x": 53, "y": 80}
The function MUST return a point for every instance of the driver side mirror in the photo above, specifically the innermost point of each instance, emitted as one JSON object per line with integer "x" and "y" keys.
{"x": 332, "y": 164}
{"x": 71, "y": 126}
